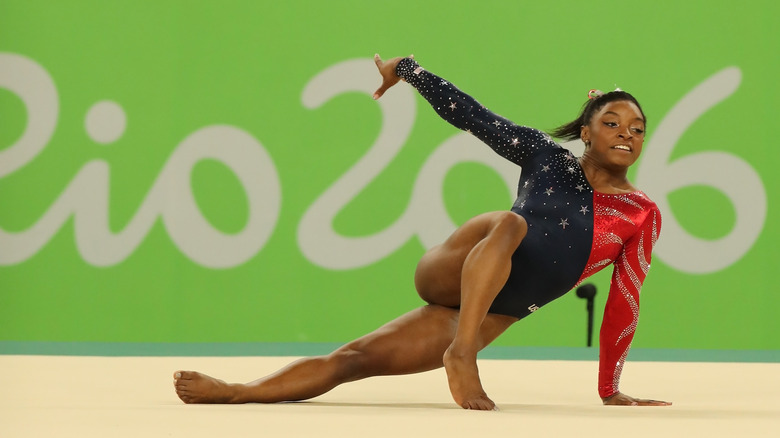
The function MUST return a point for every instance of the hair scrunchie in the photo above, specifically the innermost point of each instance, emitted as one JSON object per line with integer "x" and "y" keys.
{"x": 595, "y": 94}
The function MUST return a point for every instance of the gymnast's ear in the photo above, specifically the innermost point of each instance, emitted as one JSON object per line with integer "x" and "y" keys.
{"x": 585, "y": 134}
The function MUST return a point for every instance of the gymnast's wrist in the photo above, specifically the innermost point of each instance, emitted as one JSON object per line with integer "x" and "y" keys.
{"x": 406, "y": 67}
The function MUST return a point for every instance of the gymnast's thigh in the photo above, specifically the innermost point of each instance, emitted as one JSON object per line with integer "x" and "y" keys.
{"x": 438, "y": 274}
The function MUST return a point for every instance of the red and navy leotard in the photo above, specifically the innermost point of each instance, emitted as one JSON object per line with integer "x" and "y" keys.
{"x": 573, "y": 230}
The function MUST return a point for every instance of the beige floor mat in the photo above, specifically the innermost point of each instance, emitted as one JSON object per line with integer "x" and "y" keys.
{"x": 45, "y": 396}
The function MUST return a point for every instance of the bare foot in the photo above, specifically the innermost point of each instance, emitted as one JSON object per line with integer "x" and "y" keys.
{"x": 194, "y": 387}
{"x": 463, "y": 378}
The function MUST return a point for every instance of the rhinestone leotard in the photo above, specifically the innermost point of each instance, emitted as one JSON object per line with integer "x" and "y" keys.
{"x": 573, "y": 230}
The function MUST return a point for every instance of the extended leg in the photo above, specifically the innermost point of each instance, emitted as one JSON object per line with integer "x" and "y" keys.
{"x": 412, "y": 343}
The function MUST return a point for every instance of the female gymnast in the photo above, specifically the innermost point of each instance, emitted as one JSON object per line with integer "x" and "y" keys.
{"x": 572, "y": 217}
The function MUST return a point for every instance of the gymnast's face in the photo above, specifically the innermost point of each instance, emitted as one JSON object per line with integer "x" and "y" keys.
{"x": 615, "y": 134}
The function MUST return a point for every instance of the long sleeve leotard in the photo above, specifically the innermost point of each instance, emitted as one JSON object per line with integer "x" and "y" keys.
{"x": 573, "y": 230}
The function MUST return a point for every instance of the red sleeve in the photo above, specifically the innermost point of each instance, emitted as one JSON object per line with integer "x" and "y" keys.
{"x": 621, "y": 313}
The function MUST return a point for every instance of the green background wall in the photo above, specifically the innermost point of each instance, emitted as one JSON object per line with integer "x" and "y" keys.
{"x": 164, "y": 165}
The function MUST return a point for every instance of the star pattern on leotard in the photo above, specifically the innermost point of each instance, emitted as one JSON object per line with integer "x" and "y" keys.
{"x": 549, "y": 191}
{"x": 545, "y": 168}
{"x": 564, "y": 223}
{"x": 453, "y": 106}
{"x": 584, "y": 210}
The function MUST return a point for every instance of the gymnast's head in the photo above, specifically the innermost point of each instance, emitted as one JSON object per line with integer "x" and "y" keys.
{"x": 612, "y": 126}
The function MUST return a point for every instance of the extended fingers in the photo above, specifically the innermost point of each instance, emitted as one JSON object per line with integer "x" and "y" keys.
{"x": 378, "y": 60}
{"x": 387, "y": 82}
{"x": 625, "y": 400}
{"x": 653, "y": 403}
{"x": 385, "y": 85}
{"x": 381, "y": 90}
{"x": 388, "y": 73}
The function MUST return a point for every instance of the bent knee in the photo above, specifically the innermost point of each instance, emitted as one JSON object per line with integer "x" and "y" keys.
{"x": 510, "y": 225}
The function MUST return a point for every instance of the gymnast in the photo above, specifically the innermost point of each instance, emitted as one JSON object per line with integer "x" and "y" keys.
{"x": 572, "y": 217}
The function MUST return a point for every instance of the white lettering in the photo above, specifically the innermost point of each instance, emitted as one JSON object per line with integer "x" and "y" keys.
{"x": 86, "y": 197}
{"x": 170, "y": 197}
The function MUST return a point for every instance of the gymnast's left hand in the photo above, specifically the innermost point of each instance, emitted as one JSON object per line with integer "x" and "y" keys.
{"x": 620, "y": 399}
{"x": 387, "y": 70}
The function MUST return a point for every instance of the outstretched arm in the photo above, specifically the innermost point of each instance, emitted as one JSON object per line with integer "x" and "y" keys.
{"x": 513, "y": 142}
{"x": 621, "y": 313}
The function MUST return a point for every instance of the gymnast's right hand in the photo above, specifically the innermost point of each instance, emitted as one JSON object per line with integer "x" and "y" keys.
{"x": 387, "y": 70}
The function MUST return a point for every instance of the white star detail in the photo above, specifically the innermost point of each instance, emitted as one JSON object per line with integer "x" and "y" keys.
{"x": 579, "y": 187}
{"x": 570, "y": 157}
{"x": 443, "y": 83}
{"x": 515, "y": 141}
{"x": 525, "y": 184}
{"x": 497, "y": 123}
{"x": 563, "y": 223}
{"x": 545, "y": 168}
{"x": 549, "y": 191}
{"x": 453, "y": 106}
{"x": 522, "y": 204}
{"x": 570, "y": 170}
{"x": 584, "y": 209}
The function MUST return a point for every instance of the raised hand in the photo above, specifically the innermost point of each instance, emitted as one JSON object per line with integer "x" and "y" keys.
{"x": 620, "y": 399}
{"x": 387, "y": 70}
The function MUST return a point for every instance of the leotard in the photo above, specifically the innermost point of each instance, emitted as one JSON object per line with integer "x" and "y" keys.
{"x": 573, "y": 230}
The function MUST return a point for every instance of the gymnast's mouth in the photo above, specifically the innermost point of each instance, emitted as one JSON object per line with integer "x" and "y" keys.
{"x": 622, "y": 147}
